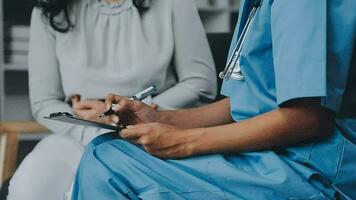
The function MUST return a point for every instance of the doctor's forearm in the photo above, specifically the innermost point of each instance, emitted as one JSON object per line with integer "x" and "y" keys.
{"x": 279, "y": 128}
{"x": 206, "y": 116}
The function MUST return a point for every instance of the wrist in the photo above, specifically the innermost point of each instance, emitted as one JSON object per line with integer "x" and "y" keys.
{"x": 194, "y": 145}
{"x": 165, "y": 117}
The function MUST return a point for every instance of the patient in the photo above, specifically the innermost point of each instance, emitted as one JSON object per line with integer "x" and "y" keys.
{"x": 95, "y": 47}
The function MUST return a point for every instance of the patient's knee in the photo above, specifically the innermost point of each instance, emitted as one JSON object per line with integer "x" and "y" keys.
{"x": 51, "y": 164}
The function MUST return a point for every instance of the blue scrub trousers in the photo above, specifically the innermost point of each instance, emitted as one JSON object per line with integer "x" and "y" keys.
{"x": 115, "y": 169}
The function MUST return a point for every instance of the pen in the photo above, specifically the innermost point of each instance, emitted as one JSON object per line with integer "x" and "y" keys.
{"x": 139, "y": 96}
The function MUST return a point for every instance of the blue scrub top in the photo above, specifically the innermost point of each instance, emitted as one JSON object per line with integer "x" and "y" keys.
{"x": 297, "y": 49}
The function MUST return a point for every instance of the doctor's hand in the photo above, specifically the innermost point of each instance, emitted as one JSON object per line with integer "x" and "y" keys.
{"x": 88, "y": 109}
{"x": 130, "y": 112}
{"x": 161, "y": 140}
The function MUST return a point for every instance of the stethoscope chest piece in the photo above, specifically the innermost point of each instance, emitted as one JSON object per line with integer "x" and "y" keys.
{"x": 236, "y": 73}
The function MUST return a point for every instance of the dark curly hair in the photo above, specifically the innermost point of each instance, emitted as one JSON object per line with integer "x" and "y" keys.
{"x": 52, "y": 8}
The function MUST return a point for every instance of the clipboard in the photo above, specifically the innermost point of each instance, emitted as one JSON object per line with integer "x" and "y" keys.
{"x": 68, "y": 118}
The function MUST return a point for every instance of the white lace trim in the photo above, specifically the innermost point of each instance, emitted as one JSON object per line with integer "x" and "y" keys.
{"x": 110, "y": 8}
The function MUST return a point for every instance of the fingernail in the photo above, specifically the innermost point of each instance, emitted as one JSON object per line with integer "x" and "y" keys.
{"x": 115, "y": 119}
{"x": 128, "y": 127}
{"x": 122, "y": 134}
{"x": 115, "y": 107}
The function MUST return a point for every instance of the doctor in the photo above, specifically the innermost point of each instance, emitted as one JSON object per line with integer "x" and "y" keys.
{"x": 287, "y": 129}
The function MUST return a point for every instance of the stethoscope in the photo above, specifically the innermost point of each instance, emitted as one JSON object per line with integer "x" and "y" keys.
{"x": 233, "y": 68}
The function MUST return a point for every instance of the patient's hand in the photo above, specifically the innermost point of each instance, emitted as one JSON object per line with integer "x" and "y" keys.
{"x": 88, "y": 109}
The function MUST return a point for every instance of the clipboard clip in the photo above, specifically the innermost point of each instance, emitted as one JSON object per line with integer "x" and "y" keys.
{"x": 59, "y": 114}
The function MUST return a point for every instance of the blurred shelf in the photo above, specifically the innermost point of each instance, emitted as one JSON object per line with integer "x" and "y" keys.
{"x": 15, "y": 67}
{"x": 17, "y": 108}
{"x": 216, "y": 14}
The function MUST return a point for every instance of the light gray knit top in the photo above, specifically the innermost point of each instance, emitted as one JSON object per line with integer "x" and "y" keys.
{"x": 115, "y": 49}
